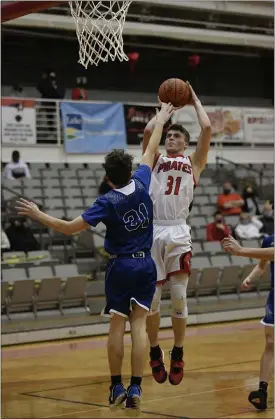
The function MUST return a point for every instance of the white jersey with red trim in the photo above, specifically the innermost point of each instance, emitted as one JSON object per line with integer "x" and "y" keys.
{"x": 172, "y": 187}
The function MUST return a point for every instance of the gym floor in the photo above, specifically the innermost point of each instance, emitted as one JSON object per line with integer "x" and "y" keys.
{"x": 70, "y": 379}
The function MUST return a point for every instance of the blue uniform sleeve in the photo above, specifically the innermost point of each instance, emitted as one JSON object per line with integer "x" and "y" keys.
{"x": 98, "y": 212}
{"x": 143, "y": 174}
{"x": 264, "y": 243}
{"x": 268, "y": 242}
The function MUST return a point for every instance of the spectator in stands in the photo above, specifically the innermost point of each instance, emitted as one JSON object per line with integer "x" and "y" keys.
{"x": 267, "y": 219}
{"x": 80, "y": 92}
{"x": 229, "y": 202}
{"x": 50, "y": 88}
{"x": 21, "y": 237}
{"x": 16, "y": 169}
{"x": 217, "y": 230}
{"x": 248, "y": 227}
{"x": 17, "y": 91}
{"x": 251, "y": 203}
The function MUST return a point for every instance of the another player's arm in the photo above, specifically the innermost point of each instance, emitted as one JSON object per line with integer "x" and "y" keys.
{"x": 30, "y": 209}
{"x": 232, "y": 246}
{"x": 256, "y": 273}
{"x": 147, "y": 133}
{"x": 162, "y": 117}
{"x": 263, "y": 254}
{"x": 199, "y": 157}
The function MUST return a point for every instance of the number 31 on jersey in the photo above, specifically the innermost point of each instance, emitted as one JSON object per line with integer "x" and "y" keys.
{"x": 173, "y": 185}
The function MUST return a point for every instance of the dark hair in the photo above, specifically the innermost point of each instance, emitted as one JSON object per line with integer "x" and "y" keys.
{"x": 217, "y": 213}
{"x": 180, "y": 128}
{"x": 118, "y": 167}
{"x": 15, "y": 156}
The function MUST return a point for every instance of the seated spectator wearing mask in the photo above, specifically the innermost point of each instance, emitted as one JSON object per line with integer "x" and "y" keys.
{"x": 248, "y": 227}
{"x": 267, "y": 219}
{"x": 16, "y": 169}
{"x": 250, "y": 201}
{"x": 217, "y": 230}
{"x": 229, "y": 202}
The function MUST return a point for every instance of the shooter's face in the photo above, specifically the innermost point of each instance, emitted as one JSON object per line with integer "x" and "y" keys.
{"x": 175, "y": 142}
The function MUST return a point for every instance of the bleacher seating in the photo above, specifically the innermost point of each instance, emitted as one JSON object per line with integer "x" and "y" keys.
{"x": 47, "y": 279}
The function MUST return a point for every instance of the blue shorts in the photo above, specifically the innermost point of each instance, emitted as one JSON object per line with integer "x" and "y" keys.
{"x": 268, "y": 319}
{"x": 128, "y": 281}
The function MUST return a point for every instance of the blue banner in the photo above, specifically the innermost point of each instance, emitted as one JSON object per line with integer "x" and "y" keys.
{"x": 93, "y": 127}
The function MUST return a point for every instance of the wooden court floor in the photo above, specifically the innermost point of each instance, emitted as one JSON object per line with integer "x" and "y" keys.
{"x": 69, "y": 379}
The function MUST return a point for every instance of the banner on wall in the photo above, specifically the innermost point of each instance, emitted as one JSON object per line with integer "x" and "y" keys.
{"x": 226, "y": 123}
{"x": 136, "y": 119}
{"x": 93, "y": 127}
{"x": 18, "y": 121}
{"x": 259, "y": 125}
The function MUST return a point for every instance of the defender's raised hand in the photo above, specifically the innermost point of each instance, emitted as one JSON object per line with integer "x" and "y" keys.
{"x": 164, "y": 114}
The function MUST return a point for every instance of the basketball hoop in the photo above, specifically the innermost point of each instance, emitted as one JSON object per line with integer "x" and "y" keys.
{"x": 99, "y": 26}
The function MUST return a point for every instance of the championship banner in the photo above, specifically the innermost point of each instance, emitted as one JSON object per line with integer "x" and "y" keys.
{"x": 18, "y": 121}
{"x": 226, "y": 123}
{"x": 259, "y": 125}
{"x": 136, "y": 118}
{"x": 93, "y": 127}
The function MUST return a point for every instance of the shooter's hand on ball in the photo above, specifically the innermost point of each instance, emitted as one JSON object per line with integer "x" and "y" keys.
{"x": 231, "y": 245}
{"x": 164, "y": 114}
{"x": 27, "y": 208}
{"x": 193, "y": 97}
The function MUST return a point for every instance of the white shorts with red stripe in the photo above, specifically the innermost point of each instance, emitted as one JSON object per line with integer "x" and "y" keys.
{"x": 171, "y": 248}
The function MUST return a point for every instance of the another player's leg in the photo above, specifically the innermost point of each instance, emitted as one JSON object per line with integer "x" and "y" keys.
{"x": 259, "y": 398}
{"x": 138, "y": 356}
{"x": 115, "y": 355}
{"x": 178, "y": 288}
{"x": 153, "y": 320}
{"x": 156, "y": 354}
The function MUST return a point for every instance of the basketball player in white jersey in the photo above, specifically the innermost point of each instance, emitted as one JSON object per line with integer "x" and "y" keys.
{"x": 174, "y": 178}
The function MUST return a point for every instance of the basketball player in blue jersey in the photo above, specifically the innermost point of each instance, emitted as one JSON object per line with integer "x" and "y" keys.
{"x": 127, "y": 212}
{"x": 259, "y": 397}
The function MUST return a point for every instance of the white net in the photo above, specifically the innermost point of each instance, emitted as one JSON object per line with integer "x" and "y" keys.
{"x": 99, "y": 26}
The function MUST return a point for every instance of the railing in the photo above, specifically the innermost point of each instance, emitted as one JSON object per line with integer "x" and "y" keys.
{"x": 42, "y": 123}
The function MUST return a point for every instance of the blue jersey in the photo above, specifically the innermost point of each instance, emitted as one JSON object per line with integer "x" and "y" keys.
{"x": 128, "y": 215}
{"x": 269, "y": 242}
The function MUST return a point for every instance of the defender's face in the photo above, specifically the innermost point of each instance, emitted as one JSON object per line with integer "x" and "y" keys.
{"x": 175, "y": 142}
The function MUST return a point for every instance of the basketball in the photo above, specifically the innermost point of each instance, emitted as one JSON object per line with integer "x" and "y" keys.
{"x": 174, "y": 91}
